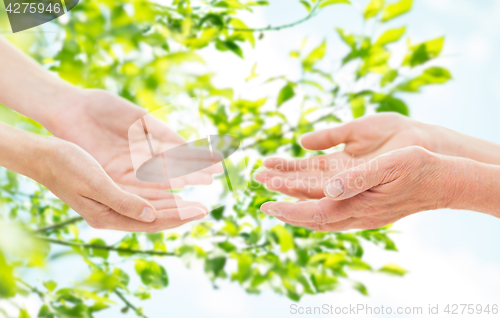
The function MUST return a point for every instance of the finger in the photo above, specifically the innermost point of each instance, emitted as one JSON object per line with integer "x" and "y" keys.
{"x": 336, "y": 161}
{"x": 318, "y": 162}
{"x": 292, "y": 176}
{"x": 131, "y": 179}
{"x": 149, "y": 193}
{"x": 343, "y": 225}
{"x": 321, "y": 211}
{"x": 364, "y": 177}
{"x": 283, "y": 186}
{"x": 328, "y": 138}
{"x": 130, "y": 205}
{"x": 177, "y": 203}
{"x": 310, "y": 188}
{"x": 166, "y": 219}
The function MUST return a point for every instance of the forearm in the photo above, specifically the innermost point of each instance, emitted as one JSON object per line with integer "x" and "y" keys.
{"x": 22, "y": 152}
{"x": 473, "y": 186}
{"x": 29, "y": 89}
{"x": 452, "y": 143}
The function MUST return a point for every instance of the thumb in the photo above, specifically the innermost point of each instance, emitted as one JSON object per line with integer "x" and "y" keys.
{"x": 125, "y": 203}
{"x": 328, "y": 138}
{"x": 352, "y": 182}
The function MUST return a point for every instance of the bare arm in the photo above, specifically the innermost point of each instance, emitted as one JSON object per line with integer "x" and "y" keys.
{"x": 29, "y": 89}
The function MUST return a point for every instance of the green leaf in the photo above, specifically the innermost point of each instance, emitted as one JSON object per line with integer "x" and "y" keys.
{"x": 348, "y": 39}
{"x": 316, "y": 55}
{"x": 358, "y": 107}
{"x": 388, "y": 77}
{"x": 246, "y": 36}
{"x": 307, "y": 5}
{"x": 394, "y": 10}
{"x": 12, "y": 178}
{"x": 388, "y": 103}
{"x": 286, "y": 93}
{"x": 218, "y": 213}
{"x": 7, "y": 280}
{"x": 151, "y": 273}
{"x": 96, "y": 252}
{"x": 373, "y": 8}
{"x": 229, "y": 45}
{"x": 361, "y": 288}
{"x": 215, "y": 266}
{"x": 389, "y": 36}
{"x": 285, "y": 238}
{"x": 331, "y": 2}
{"x": 432, "y": 75}
{"x": 423, "y": 52}
{"x": 129, "y": 243}
{"x": 392, "y": 269}
{"x": 50, "y": 285}
{"x": 23, "y": 313}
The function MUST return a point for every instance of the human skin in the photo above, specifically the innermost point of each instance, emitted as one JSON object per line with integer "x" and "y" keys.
{"x": 95, "y": 120}
{"x": 57, "y": 164}
{"x": 98, "y": 122}
{"x": 365, "y": 139}
{"x": 401, "y": 166}
{"x": 392, "y": 186}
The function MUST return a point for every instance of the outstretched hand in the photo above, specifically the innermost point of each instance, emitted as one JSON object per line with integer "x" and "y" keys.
{"x": 364, "y": 139}
{"x": 379, "y": 192}
{"x": 99, "y": 123}
{"x": 77, "y": 179}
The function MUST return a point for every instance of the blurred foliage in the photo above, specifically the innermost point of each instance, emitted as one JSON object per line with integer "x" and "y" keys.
{"x": 139, "y": 49}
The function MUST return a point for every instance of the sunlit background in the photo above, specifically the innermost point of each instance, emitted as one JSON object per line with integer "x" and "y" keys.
{"x": 453, "y": 257}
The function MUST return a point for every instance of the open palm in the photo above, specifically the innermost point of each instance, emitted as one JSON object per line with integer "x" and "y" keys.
{"x": 99, "y": 123}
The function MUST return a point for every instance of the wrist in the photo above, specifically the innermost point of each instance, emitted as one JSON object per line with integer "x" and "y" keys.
{"x": 69, "y": 97}
{"x": 23, "y": 152}
{"x": 472, "y": 185}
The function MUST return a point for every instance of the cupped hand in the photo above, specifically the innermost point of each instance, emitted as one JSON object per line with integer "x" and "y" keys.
{"x": 379, "y": 192}
{"x": 364, "y": 139}
{"x": 79, "y": 180}
{"x": 99, "y": 123}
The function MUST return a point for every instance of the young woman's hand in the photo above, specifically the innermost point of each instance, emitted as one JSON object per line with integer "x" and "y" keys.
{"x": 78, "y": 179}
{"x": 99, "y": 122}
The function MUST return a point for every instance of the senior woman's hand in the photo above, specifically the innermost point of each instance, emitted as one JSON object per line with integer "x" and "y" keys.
{"x": 364, "y": 139}
{"x": 393, "y": 186}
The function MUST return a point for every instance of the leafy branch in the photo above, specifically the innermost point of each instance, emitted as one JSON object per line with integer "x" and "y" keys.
{"x": 314, "y": 11}
{"x": 129, "y": 305}
{"x": 105, "y": 247}
{"x": 60, "y": 225}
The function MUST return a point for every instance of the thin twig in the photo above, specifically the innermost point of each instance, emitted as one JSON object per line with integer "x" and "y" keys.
{"x": 104, "y": 247}
{"x": 280, "y": 27}
{"x": 129, "y": 304}
{"x": 60, "y": 225}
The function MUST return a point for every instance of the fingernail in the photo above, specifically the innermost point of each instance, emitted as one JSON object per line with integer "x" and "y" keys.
{"x": 273, "y": 213}
{"x": 148, "y": 215}
{"x": 335, "y": 189}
